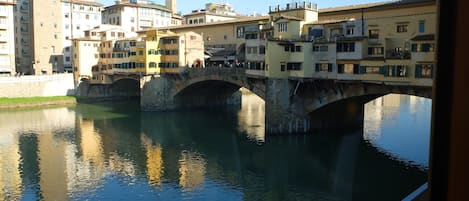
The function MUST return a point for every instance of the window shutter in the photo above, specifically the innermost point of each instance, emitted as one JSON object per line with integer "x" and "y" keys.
{"x": 317, "y": 67}
{"x": 418, "y": 71}
{"x": 414, "y": 48}
{"x": 362, "y": 69}
{"x": 340, "y": 68}
{"x": 329, "y": 67}
{"x": 431, "y": 71}
{"x": 356, "y": 69}
{"x": 384, "y": 70}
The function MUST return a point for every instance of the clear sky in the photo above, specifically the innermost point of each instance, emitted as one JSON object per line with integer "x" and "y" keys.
{"x": 250, "y": 6}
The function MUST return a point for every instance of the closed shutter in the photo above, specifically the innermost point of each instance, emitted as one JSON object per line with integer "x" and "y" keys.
{"x": 340, "y": 68}
{"x": 362, "y": 69}
{"x": 418, "y": 71}
{"x": 384, "y": 70}
{"x": 431, "y": 71}
{"x": 356, "y": 69}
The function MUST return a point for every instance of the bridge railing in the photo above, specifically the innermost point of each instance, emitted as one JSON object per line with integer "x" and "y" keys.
{"x": 222, "y": 71}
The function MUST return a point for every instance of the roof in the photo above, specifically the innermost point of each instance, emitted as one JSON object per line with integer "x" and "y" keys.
{"x": 383, "y": 4}
{"x": 352, "y": 7}
{"x": 8, "y": 2}
{"x": 105, "y": 27}
{"x": 327, "y": 22}
{"x": 424, "y": 37}
{"x": 86, "y": 39}
{"x": 90, "y": 3}
{"x": 211, "y": 13}
{"x": 139, "y": 5}
{"x": 287, "y": 17}
{"x": 235, "y": 21}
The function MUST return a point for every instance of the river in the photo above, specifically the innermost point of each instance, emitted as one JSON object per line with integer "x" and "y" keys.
{"x": 112, "y": 151}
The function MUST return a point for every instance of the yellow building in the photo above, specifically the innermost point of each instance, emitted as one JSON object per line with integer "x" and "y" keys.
{"x": 107, "y": 50}
{"x": 92, "y": 53}
{"x": 226, "y": 41}
{"x": 382, "y": 42}
{"x": 389, "y": 43}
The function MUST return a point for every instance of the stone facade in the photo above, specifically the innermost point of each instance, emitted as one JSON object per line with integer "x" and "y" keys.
{"x": 37, "y": 86}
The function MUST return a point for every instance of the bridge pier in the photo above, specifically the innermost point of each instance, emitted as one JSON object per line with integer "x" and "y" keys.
{"x": 345, "y": 114}
{"x": 282, "y": 113}
{"x": 165, "y": 93}
{"x": 157, "y": 94}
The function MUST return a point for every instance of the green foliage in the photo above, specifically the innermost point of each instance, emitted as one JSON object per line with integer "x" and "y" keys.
{"x": 8, "y": 101}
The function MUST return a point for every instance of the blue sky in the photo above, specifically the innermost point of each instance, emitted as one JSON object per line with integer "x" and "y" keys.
{"x": 250, "y": 6}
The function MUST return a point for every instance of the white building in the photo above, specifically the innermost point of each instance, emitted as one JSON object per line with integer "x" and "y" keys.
{"x": 79, "y": 15}
{"x": 44, "y": 30}
{"x": 137, "y": 15}
{"x": 213, "y": 12}
{"x": 7, "y": 38}
{"x": 87, "y": 49}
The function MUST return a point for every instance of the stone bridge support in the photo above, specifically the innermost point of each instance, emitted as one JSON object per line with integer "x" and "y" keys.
{"x": 284, "y": 112}
{"x": 157, "y": 94}
{"x": 163, "y": 94}
{"x": 294, "y": 105}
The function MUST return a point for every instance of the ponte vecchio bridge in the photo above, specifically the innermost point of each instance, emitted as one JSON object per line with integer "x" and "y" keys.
{"x": 292, "y": 105}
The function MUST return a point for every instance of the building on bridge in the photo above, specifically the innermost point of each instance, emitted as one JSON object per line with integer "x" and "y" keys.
{"x": 108, "y": 50}
{"x": 392, "y": 42}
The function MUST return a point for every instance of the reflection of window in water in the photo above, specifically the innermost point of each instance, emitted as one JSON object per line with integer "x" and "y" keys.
{"x": 192, "y": 168}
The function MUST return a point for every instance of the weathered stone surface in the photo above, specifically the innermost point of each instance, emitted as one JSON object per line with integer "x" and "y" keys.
{"x": 292, "y": 105}
{"x": 283, "y": 116}
{"x": 37, "y": 86}
{"x": 157, "y": 94}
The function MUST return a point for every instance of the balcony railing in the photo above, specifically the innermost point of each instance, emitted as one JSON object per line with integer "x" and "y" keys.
{"x": 393, "y": 54}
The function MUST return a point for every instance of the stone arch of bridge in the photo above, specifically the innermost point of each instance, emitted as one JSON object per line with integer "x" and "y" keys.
{"x": 126, "y": 87}
{"x": 219, "y": 84}
{"x": 315, "y": 95}
{"x": 117, "y": 78}
{"x": 343, "y": 104}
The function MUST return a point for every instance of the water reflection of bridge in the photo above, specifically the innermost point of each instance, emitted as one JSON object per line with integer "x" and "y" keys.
{"x": 293, "y": 104}
{"x": 63, "y": 162}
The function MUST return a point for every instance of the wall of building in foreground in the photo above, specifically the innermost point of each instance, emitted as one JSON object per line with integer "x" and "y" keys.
{"x": 34, "y": 86}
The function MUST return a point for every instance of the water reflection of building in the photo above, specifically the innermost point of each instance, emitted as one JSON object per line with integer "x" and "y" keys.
{"x": 251, "y": 116}
{"x": 378, "y": 111}
{"x": 52, "y": 166}
{"x": 33, "y": 120}
{"x": 121, "y": 165}
{"x": 88, "y": 170}
{"x": 10, "y": 182}
{"x": 50, "y": 151}
{"x": 191, "y": 170}
{"x": 154, "y": 160}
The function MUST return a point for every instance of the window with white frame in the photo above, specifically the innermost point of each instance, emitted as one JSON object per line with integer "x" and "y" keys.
{"x": 283, "y": 27}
